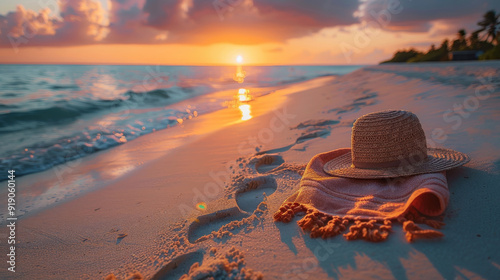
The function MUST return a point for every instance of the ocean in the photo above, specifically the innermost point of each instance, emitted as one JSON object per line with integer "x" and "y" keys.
{"x": 52, "y": 114}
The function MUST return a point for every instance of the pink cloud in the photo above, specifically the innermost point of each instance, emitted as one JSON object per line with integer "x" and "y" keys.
{"x": 419, "y": 16}
{"x": 245, "y": 21}
{"x": 127, "y": 24}
{"x": 83, "y": 19}
{"x": 225, "y": 21}
{"x": 81, "y": 23}
{"x": 23, "y": 22}
{"x": 177, "y": 21}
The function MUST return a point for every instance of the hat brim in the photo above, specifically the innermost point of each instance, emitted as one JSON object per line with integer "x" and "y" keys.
{"x": 438, "y": 160}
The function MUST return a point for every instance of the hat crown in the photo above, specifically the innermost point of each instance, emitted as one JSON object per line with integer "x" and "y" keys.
{"x": 387, "y": 139}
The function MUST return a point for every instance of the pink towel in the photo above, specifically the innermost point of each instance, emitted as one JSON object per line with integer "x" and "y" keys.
{"x": 332, "y": 203}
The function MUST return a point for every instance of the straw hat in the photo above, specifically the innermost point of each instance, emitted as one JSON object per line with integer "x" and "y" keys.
{"x": 390, "y": 144}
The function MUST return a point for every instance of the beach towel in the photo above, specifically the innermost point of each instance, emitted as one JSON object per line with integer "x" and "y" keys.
{"x": 365, "y": 208}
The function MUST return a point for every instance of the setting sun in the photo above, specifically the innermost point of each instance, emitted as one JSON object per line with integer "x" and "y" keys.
{"x": 239, "y": 59}
{"x": 243, "y": 133}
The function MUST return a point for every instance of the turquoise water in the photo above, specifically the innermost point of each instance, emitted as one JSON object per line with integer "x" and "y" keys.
{"x": 51, "y": 114}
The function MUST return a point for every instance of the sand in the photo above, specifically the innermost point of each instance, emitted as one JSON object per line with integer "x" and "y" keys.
{"x": 198, "y": 199}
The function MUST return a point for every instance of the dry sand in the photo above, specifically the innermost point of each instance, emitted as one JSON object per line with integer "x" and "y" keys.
{"x": 203, "y": 206}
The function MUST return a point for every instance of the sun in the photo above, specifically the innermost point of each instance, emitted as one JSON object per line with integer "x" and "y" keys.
{"x": 239, "y": 59}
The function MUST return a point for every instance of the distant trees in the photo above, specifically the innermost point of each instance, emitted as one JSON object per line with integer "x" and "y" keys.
{"x": 485, "y": 39}
{"x": 460, "y": 43}
{"x": 404, "y": 55}
{"x": 474, "y": 41}
{"x": 439, "y": 54}
{"x": 489, "y": 24}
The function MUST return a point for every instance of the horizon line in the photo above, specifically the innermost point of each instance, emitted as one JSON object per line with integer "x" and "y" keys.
{"x": 145, "y": 64}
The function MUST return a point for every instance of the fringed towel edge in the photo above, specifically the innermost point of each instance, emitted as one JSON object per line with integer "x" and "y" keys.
{"x": 324, "y": 225}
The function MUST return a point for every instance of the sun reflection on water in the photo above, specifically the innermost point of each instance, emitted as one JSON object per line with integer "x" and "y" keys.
{"x": 239, "y": 76}
{"x": 244, "y": 95}
{"x": 246, "y": 111}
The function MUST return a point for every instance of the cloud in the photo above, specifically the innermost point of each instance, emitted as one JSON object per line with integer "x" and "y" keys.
{"x": 450, "y": 27}
{"x": 127, "y": 24}
{"x": 419, "y": 16}
{"x": 204, "y": 22}
{"x": 177, "y": 21}
{"x": 81, "y": 22}
{"x": 245, "y": 21}
{"x": 23, "y": 23}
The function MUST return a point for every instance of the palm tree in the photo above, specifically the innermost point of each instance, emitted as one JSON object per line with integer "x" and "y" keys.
{"x": 489, "y": 23}
{"x": 460, "y": 44}
{"x": 461, "y": 34}
{"x": 474, "y": 40}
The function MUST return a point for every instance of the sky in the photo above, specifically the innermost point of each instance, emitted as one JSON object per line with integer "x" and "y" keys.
{"x": 208, "y": 32}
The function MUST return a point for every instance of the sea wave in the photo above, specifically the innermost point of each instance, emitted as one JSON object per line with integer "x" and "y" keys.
{"x": 52, "y": 114}
{"x": 13, "y": 118}
{"x": 45, "y": 154}
{"x": 134, "y": 113}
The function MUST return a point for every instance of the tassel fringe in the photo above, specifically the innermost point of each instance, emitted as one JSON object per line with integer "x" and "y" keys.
{"x": 324, "y": 225}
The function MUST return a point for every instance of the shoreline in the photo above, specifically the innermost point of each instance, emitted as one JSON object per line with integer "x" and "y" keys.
{"x": 81, "y": 118}
{"x": 217, "y": 166}
{"x": 70, "y": 180}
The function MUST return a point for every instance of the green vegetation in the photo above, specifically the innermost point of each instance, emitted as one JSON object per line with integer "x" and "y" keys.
{"x": 404, "y": 56}
{"x": 433, "y": 54}
{"x": 494, "y": 53}
{"x": 486, "y": 39}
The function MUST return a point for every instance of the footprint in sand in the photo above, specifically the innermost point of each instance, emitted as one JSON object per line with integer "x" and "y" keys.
{"x": 220, "y": 225}
{"x": 251, "y": 194}
{"x": 311, "y": 134}
{"x": 357, "y": 104}
{"x": 179, "y": 266}
{"x": 120, "y": 237}
{"x": 204, "y": 225}
{"x": 266, "y": 163}
{"x": 314, "y": 129}
{"x": 251, "y": 202}
{"x": 311, "y": 129}
{"x": 228, "y": 265}
{"x": 315, "y": 123}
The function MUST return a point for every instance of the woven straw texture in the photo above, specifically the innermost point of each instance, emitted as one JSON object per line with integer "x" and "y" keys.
{"x": 391, "y": 144}
{"x": 370, "y": 199}
{"x": 367, "y": 208}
